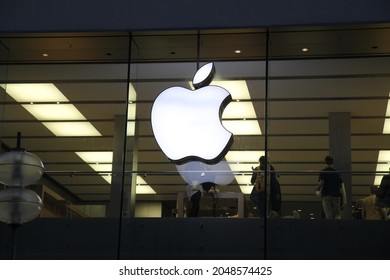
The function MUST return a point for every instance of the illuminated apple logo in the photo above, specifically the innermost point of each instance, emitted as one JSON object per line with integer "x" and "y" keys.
{"x": 187, "y": 123}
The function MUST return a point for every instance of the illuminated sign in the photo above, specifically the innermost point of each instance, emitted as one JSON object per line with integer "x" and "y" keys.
{"x": 187, "y": 123}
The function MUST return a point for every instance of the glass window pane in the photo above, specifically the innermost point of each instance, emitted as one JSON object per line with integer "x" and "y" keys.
{"x": 63, "y": 93}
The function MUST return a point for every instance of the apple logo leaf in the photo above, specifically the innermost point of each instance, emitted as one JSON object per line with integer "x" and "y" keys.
{"x": 204, "y": 75}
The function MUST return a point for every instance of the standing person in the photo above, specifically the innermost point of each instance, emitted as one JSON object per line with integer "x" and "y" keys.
{"x": 357, "y": 211}
{"x": 369, "y": 210}
{"x": 333, "y": 195}
{"x": 259, "y": 196}
{"x": 194, "y": 193}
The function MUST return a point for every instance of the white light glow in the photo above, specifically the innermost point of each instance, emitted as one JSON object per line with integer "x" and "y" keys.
{"x": 102, "y": 162}
{"x": 186, "y": 123}
{"x": 44, "y": 112}
{"x": 72, "y": 128}
{"x": 200, "y": 172}
{"x": 386, "y": 127}
{"x": 49, "y": 93}
{"x": 246, "y": 189}
{"x": 243, "y": 161}
{"x": 103, "y": 168}
{"x": 142, "y": 187}
{"x": 244, "y": 156}
{"x": 242, "y": 167}
{"x": 35, "y": 93}
{"x": 131, "y": 112}
{"x": 239, "y": 110}
{"x": 384, "y": 156}
{"x": 238, "y": 88}
{"x": 243, "y": 179}
{"x": 96, "y": 157}
{"x": 240, "y": 127}
{"x": 130, "y": 128}
{"x": 132, "y": 93}
{"x": 382, "y": 165}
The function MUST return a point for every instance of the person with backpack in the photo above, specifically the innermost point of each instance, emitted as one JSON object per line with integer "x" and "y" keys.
{"x": 258, "y": 194}
{"x": 330, "y": 184}
{"x": 383, "y": 193}
{"x": 370, "y": 211}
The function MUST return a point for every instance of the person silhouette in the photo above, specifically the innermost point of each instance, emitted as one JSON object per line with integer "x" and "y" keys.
{"x": 259, "y": 197}
{"x": 330, "y": 184}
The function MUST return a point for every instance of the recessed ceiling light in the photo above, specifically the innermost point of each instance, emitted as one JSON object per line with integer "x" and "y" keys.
{"x": 305, "y": 49}
{"x": 237, "y": 51}
{"x": 45, "y": 54}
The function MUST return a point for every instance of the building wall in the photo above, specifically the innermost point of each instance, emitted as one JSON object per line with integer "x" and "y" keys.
{"x": 186, "y": 238}
{"x": 123, "y": 15}
{"x": 201, "y": 238}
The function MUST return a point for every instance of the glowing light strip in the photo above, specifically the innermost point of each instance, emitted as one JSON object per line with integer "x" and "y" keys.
{"x": 60, "y": 113}
{"x": 131, "y": 111}
{"x": 383, "y": 161}
{"x": 243, "y": 161}
{"x": 102, "y": 162}
{"x": 382, "y": 165}
{"x": 46, "y": 92}
{"x": 240, "y": 110}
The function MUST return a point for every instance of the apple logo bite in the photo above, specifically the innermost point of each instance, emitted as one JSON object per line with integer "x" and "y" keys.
{"x": 187, "y": 123}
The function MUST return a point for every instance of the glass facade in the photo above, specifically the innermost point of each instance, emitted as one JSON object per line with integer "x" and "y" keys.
{"x": 69, "y": 95}
{"x": 83, "y": 102}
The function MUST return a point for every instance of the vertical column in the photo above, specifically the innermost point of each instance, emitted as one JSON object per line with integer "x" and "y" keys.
{"x": 340, "y": 148}
{"x": 180, "y": 204}
{"x": 131, "y": 181}
{"x": 117, "y": 193}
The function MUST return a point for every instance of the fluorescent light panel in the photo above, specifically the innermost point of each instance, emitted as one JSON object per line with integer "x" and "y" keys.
{"x": 130, "y": 128}
{"x": 72, "y": 128}
{"x": 244, "y": 156}
{"x": 131, "y": 111}
{"x": 102, "y": 162}
{"x": 382, "y": 165}
{"x": 142, "y": 187}
{"x": 96, "y": 157}
{"x": 238, "y": 88}
{"x": 243, "y": 161}
{"x": 383, "y": 162}
{"x": 246, "y": 189}
{"x": 47, "y": 92}
{"x": 35, "y": 93}
{"x": 55, "y": 112}
{"x": 386, "y": 126}
{"x": 239, "y": 127}
{"x": 240, "y": 110}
